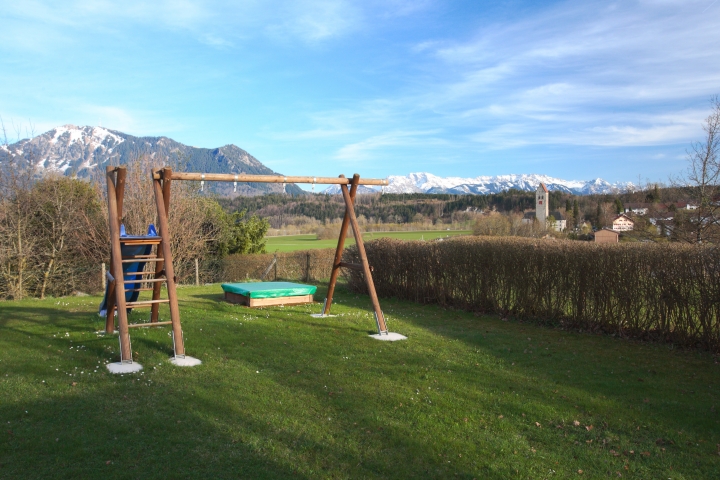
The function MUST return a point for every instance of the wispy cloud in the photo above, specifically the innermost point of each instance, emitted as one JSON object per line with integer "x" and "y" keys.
{"x": 573, "y": 73}
{"x": 366, "y": 148}
{"x": 310, "y": 21}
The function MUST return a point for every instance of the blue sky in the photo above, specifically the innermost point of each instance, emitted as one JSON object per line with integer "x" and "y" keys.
{"x": 576, "y": 90}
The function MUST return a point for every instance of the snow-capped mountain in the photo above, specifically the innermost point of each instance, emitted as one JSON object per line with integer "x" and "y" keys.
{"x": 429, "y": 183}
{"x": 82, "y": 150}
{"x": 362, "y": 189}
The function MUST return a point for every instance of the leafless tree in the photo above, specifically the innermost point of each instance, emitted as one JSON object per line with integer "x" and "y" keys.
{"x": 701, "y": 184}
{"x": 195, "y": 220}
{"x": 17, "y": 242}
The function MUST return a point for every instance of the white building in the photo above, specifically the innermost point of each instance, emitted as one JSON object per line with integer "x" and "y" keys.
{"x": 623, "y": 223}
{"x": 542, "y": 211}
{"x": 542, "y": 204}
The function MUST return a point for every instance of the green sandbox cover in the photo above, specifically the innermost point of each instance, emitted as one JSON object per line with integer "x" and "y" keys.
{"x": 269, "y": 289}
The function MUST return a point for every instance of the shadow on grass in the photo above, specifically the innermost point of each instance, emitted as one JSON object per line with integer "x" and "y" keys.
{"x": 111, "y": 432}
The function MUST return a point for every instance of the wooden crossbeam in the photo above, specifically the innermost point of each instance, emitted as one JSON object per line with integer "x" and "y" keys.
{"x": 230, "y": 177}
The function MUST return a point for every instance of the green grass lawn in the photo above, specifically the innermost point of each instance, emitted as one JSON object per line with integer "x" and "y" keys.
{"x": 291, "y": 243}
{"x": 284, "y": 395}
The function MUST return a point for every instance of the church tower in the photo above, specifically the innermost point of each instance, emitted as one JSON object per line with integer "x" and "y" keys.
{"x": 542, "y": 205}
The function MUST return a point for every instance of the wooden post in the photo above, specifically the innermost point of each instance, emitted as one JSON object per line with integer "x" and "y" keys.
{"x": 116, "y": 257}
{"x": 120, "y": 192}
{"x": 155, "y": 310}
{"x": 382, "y": 328}
{"x": 197, "y": 273}
{"x": 169, "y": 272}
{"x": 307, "y": 267}
{"x": 339, "y": 250}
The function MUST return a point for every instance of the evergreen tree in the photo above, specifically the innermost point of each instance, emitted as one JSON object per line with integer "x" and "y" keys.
{"x": 619, "y": 206}
{"x": 576, "y": 213}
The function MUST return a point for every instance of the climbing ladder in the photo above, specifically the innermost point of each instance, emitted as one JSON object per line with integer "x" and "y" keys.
{"x": 161, "y": 257}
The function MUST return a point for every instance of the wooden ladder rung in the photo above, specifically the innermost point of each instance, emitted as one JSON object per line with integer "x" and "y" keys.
{"x": 152, "y": 255}
{"x": 139, "y": 289}
{"x": 140, "y": 240}
{"x": 136, "y": 260}
{"x": 146, "y": 280}
{"x": 145, "y": 303}
{"x": 155, "y": 324}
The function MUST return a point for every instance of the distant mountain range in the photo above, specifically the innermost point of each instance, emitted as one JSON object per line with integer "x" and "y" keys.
{"x": 429, "y": 183}
{"x": 82, "y": 150}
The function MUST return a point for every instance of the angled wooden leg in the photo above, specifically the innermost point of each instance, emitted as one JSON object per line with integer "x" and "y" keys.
{"x": 116, "y": 257}
{"x": 157, "y": 286}
{"x": 120, "y": 192}
{"x": 110, "y": 311}
{"x": 339, "y": 250}
{"x": 350, "y": 209}
{"x": 169, "y": 272}
{"x": 119, "y": 183}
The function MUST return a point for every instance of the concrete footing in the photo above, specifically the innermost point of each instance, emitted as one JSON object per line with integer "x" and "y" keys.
{"x": 185, "y": 361}
{"x": 124, "y": 367}
{"x": 388, "y": 337}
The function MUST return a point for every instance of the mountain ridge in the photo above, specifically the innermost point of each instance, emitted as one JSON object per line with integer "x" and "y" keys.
{"x": 423, "y": 182}
{"x": 69, "y": 149}
{"x": 73, "y": 150}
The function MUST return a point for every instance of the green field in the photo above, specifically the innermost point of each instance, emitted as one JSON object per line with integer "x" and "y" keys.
{"x": 291, "y": 243}
{"x": 284, "y": 395}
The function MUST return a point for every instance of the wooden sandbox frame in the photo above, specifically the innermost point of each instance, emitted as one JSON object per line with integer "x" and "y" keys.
{"x": 267, "y": 302}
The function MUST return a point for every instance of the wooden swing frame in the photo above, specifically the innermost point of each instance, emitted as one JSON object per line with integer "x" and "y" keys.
{"x": 162, "y": 180}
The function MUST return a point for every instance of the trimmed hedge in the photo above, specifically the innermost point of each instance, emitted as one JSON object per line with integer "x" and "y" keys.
{"x": 667, "y": 292}
{"x": 307, "y": 266}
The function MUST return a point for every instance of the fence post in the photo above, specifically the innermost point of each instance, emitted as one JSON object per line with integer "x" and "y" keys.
{"x": 307, "y": 267}
{"x": 104, "y": 277}
{"x": 275, "y": 267}
{"x": 197, "y": 273}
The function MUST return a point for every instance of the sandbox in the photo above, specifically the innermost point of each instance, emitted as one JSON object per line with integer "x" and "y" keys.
{"x": 262, "y": 294}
